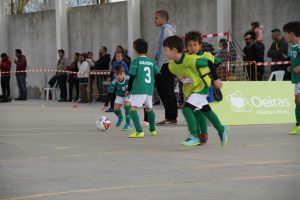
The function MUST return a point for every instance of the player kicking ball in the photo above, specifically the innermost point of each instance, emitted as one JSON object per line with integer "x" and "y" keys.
{"x": 119, "y": 87}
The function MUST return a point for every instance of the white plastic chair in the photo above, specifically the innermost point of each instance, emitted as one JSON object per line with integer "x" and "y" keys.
{"x": 278, "y": 75}
{"x": 53, "y": 92}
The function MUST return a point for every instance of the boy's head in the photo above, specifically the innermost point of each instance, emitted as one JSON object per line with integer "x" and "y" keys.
{"x": 161, "y": 17}
{"x": 119, "y": 56}
{"x": 119, "y": 72}
{"x": 173, "y": 46}
{"x": 193, "y": 42}
{"x": 140, "y": 46}
{"x": 291, "y": 31}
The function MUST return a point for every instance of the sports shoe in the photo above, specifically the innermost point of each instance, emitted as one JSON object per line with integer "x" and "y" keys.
{"x": 225, "y": 134}
{"x": 191, "y": 141}
{"x": 136, "y": 135}
{"x": 110, "y": 110}
{"x": 203, "y": 138}
{"x": 295, "y": 130}
{"x": 167, "y": 122}
{"x": 119, "y": 122}
{"x": 153, "y": 133}
{"x": 127, "y": 127}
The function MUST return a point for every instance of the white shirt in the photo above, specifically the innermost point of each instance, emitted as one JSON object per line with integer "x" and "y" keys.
{"x": 84, "y": 69}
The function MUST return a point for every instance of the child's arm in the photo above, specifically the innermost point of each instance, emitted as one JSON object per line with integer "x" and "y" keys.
{"x": 130, "y": 84}
{"x": 216, "y": 80}
{"x": 296, "y": 69}
{"x": 108, "y": 98}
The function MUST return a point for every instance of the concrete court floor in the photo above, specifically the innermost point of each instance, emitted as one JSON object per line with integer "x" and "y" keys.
{"x": 56, "y": 153}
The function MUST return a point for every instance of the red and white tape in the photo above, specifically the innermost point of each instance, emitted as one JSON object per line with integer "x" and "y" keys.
{"x": 99, "y": 72}
{"x": 273, "y": 63}
{"x": 213, "y": 35}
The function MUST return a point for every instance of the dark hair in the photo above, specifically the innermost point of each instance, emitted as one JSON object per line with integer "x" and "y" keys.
{"x": 223, "y": 41}
{"x": 90, "y": 53}
{"x": 140, "y": 46}
{"x": 84, "y": 55}
{"x": 292, "y": 27}
{"x": 193, "y": 36}
{"x": 61, "y": 51}
{"x": 119, "y": 69}
{"x": 275, "y": 30}
{"x": 120, "y": 53}
{"x": 163, "y": 13}
{"x": 77, "y": 54}
{"x": 19, "y": 51}
{"x": 104, "y": 48}
{"x": 3, "y": 55}
{"x": 251, "y": 33}
{"x": 174, "y": 42}
{"x": 255, "y": 24}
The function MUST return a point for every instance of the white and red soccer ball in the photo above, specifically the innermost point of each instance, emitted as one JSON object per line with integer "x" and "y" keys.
{"x": 103, "y": 123}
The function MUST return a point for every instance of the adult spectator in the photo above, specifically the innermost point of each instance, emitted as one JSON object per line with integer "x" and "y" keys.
{"x": 101, "y": 64}
{"x": 278, "y": 50}
{"x": 72, "y": 78}
{"x": 62, "y": 76}
{"x": 91, "y": 63}
{"x": 5, "y": 66}
{"x": 83, "y": 76}
{"x": 21, "y": 67}
{"x": 223, "y": 53}
{"x": 165, "y": 82}
{"x": 253, "y": 52}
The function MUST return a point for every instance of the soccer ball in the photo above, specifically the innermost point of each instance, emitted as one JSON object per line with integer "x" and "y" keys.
{"x": 103, "y": 123}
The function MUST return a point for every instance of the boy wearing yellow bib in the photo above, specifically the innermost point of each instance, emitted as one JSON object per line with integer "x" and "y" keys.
{"x": 193, "y": 72}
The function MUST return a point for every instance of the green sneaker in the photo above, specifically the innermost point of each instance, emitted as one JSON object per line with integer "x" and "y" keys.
{"x": 225, "y": 134}
{"x": 136, "y": 135}
{"x": 153, "y": 133}
{"x": 295, "y": 130}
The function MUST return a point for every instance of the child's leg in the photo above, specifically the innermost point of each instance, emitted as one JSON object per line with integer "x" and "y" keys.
{"x": 213, "y": 118}
{"x": 297, "y": 110}
{"x": 202, "y": 126}
{"x": 117, "y": 109}
{"x": 188, "y": 113}
{"x": 151, "y": 118}
{"x": 136, "y": 119}
{"x": 127, "y": 111}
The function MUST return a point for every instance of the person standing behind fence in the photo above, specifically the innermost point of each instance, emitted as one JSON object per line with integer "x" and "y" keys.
{"x": 101, "y": 64}
{"x": 253, "y": 52}
{"x": 292, "y": 35}
{"x": 83, "y": 76}
{"x": 165, "y": 81}
{"x": 91, "y": 63}
{"x": 62, "y": 76}
{"x": 5, "y": 66}
{"x": 278, "y": 50}
{"x": 72, "y": 78}
{"x": 21, "y": 67}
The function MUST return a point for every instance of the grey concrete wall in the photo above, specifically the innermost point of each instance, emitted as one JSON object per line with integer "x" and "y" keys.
{"x": 270, "y": 13}
{"x": 185, "y": 14}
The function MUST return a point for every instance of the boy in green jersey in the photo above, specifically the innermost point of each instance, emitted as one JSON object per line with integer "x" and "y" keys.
{"x": 119, "y": 87}
{"x": 141, "y": 85}
{"x": 292, "y": 35}
{"x": 193, "y": 72}
{"x": 193, "y": 42}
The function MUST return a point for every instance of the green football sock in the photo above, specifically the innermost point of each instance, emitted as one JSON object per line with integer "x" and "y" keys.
{"x": 202, "y": 122}
{"x": 119, "y": 113}
{"x": 151, "y": 118}
{"x": 213, "y": 118}
{"x": 127, "y": 114}
{"x": 190, "y": 118}
{"x": 136, "y": 121}
{"x": 298, "y": 114}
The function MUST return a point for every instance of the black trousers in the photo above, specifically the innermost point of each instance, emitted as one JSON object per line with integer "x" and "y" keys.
{"x": 73, "y": 83}
{"x": 5, "y": 86}
{"x": 62, "y": 83}
{"x": 165, "y": 88}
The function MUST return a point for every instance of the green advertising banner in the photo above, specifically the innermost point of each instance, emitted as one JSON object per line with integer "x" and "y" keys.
{"x": 261, "y": 102}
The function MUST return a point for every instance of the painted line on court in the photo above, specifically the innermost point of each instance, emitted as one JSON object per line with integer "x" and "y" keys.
{"x": 37, "y": 158}
{"x": 49, "y": 133}
{"x": 63, "y": 148}
{"x": 166, "y": 184}
{"x": 76, "y": 155}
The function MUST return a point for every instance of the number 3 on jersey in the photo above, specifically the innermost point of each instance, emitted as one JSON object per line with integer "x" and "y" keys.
{"x": 148, "y": 75}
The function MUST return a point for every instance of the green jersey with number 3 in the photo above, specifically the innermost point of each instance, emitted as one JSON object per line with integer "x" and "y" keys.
{"x": 119, "y": 88}
{"x": 144, "y": 70}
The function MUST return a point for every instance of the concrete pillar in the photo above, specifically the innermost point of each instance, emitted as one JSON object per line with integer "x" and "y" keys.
{"x": 61, "y": 26}
{"x": 224, "y": 21}
{"x": 134, "y": 24}
{"x": 3, "y": 28}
